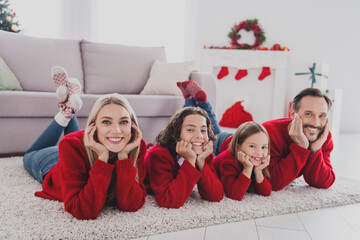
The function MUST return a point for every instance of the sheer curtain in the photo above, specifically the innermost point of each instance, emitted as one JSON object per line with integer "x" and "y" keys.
{"x": 42, "y": 18}
{"x": 129, "y": 22}
{"x": 142, "y": 23}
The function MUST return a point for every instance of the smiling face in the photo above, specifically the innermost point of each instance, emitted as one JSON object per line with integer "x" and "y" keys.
{"x": 256, "y": 147}
{"x": 113, "y": 125}
{"x": 313, "y": 113}
{"x": 194, "y": 130}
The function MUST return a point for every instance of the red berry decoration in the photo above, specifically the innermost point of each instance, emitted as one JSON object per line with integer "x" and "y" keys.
{"x": 277, "y": 47}
{"x": 248, "y": 25}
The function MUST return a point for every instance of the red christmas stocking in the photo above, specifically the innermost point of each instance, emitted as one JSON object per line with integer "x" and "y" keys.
{"x": 264, "y": 73}
{"x": 224, "y": 71}
{"x": 240, "y": 74}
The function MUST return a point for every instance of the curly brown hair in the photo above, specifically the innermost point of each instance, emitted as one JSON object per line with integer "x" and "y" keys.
{"x": 170, "y": 134}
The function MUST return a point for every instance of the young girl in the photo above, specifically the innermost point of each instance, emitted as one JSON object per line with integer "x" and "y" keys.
{"x": 235, "y": 183}
{"x": 243, "y": 166}
{"x": 195, "y": 96}
{"x": 182, "y": 158}
{"x": 93, "y": 167}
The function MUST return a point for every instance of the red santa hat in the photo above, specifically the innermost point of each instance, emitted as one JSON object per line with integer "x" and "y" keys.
{"x": 235, "y": 115}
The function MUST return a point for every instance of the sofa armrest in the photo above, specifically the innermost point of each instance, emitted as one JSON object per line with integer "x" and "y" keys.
{"x": 208, "y": 83}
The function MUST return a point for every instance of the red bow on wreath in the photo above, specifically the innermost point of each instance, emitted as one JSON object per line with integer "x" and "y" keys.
{"x": 248, "y": 25}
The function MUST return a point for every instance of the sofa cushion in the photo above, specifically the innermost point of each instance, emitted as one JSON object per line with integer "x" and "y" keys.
{"x": 117, "y": 68}
{"x": 8, "y": 81}
{"x": 31, "y": 59}
{"x": 164, "y": 76}
{"x": 44, "y": 104}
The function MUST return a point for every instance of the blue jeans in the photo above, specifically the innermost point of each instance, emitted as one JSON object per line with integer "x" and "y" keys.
{"x": 220, "y": 136}
{"x": 44, "y": 154}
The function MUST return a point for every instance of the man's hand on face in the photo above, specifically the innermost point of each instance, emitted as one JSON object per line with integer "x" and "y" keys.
{"x": 296, "y": 132}
{"x": 317, "y": 144}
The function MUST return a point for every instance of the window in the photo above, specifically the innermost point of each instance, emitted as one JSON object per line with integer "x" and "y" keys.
{"x": 129, "y": 22}
{"x": 142, "y": 23}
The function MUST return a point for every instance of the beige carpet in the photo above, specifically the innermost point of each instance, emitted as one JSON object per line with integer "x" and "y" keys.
{"x": 24, "y": 216}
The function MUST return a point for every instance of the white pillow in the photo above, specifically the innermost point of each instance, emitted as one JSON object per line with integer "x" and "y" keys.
{"x": 163, "y": 78}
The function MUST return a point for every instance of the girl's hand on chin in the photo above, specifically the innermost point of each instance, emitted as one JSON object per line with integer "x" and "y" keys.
{"x": 207, "y": 150}
{"x": 90, "y": 142}
{"x": 137, "y": 136}
{"x": 264, "y": 163}
{"x": 246, "y": 163}
{"x": 184, "y": 149}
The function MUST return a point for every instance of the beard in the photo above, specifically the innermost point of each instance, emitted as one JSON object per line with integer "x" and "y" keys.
{"x": 313, "y": 138}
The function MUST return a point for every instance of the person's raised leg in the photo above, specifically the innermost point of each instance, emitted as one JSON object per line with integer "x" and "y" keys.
{"x": 68, "y": 89}
{"x": 190, "y": 102}
{"x": 43, "y": 153}
{"x": 68, "y": 92}
{"x": 192, "y": 89}
{"x": 208, "y": 108}
{"x": 73, "y": 126}
{"x": 195, "y": 96}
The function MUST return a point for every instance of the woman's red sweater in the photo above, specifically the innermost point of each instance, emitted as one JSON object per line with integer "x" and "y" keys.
{"x": 84, "y": 189}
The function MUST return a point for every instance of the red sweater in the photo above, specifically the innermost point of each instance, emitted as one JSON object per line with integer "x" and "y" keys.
{"x": 84, "y": 189}
{"x": 234, "y": 181}
{"x": 289, "y": 160}
{"x": 172, "y": 184}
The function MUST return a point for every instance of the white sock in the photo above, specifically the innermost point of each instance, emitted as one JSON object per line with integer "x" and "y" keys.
{"x": 75, "y": 102}
{"x": 61, "y": 119}
{"x": 61, "y": 93}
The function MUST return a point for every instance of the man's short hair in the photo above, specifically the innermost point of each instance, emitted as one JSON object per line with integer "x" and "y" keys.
{"x": 314, "y": 92}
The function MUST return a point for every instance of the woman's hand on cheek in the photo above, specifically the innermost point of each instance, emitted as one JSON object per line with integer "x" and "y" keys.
{"x": 135, "y": 142}
{"x": 98, "y": 148}
{"x": 185, "y": 150}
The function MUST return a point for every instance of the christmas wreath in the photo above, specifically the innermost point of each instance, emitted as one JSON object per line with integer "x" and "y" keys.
{"x": 248, "y": 25}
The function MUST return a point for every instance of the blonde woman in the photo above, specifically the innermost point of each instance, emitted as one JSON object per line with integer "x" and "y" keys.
{"x": 101, "y": 165}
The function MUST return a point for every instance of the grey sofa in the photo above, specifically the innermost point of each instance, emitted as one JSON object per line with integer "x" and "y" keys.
{"x": 100, "y": 68}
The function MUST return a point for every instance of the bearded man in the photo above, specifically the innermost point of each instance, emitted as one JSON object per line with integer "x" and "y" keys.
{"x": 301, "y": 145}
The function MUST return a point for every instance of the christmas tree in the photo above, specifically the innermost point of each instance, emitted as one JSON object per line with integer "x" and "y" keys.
{"x": 8, "y": 21}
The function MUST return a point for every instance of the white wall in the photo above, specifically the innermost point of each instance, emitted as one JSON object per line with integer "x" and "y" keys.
{"x": 136, "y": 22}
{"x": 314, "y": 30}
{"x": 42, "y": 18}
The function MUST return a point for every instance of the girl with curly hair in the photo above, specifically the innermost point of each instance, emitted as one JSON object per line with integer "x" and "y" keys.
{"x": 182, "y": 159}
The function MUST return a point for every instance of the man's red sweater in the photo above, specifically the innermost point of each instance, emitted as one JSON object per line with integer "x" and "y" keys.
{"x": 234, "y": 181}
{"x": 84, "y": 189}
{"x": 172, "y": 184}
{"x": 289, "y": 160}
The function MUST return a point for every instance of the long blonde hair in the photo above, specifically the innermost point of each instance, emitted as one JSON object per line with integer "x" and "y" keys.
{"x": 102, "y": 101}
{"x": 244, "y": 131}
